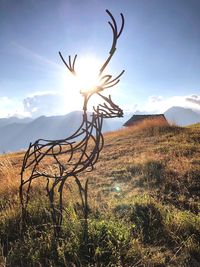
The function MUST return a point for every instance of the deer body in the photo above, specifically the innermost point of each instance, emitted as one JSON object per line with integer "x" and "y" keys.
{"x": 63, "y": 151}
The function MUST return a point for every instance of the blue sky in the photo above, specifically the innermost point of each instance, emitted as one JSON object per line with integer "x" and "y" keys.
{"x": 159, "y": 50}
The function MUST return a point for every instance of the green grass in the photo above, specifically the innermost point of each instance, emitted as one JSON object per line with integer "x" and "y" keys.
{"x": 144, "y": 206}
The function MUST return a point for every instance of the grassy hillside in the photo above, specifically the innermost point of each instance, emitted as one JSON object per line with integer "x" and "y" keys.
{"x": 143, "y": 198}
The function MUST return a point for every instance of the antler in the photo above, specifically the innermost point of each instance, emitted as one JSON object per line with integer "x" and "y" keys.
{"x": 71, "y": 64}
{"x": 116, "y": 35}
{"x": 106, "y": 81}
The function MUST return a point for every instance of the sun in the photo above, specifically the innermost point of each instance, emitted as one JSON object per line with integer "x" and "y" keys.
{"x": 87, "y": 70}
{"x": 87, "y": 78}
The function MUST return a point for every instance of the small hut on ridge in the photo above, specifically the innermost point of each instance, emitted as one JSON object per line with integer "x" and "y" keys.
{"x": 136, "y": 119}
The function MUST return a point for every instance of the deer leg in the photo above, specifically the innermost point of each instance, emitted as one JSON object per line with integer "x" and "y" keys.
{"x": 86, "y": 210}
{"x": 60, "y": 190}
{"x": 80, "y": 189}
{"x": 50, "y": 193}
{"x": 23, "y": 210}
{"x": 85, "y": 199}
{"x": 83, "y": 192}
{"x": 25, "y": 196}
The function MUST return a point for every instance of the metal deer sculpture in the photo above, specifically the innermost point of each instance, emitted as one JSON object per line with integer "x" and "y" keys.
{"x": 79, "y": 152}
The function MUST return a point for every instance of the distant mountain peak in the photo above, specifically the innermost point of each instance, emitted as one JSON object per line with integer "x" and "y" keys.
{"x": 182, "y": 116}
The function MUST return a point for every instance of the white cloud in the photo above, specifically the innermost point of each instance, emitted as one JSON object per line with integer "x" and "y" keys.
{"x": 52, "y": 103}
{"x": 43, "y": 104}
{"x": 194, "y": 99}
{"x": 154, "y": 99}
{"x": 4, "y": 100}
{"x": 129, "y": 108}
{"x": 11, "y": 107}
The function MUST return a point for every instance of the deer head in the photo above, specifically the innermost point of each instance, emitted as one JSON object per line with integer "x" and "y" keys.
{"x": 108, "y": 109}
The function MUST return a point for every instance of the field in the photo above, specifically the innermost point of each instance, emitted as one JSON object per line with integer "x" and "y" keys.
{"x": 144, "y": 201}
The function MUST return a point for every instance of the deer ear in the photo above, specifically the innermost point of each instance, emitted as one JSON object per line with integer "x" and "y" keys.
{"x": 103, "y": 81}
{"x": 105, "y": 78}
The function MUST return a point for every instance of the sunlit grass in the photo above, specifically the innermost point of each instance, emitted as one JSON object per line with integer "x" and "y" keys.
{"x": 143, "y": 198}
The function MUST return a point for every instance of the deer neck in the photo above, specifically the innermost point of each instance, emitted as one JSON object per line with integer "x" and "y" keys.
{"x": 85, "y": 103}
{"x": 95, "y": 119}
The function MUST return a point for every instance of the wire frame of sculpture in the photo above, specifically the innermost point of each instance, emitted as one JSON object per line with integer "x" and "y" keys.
{"x": 77, "y": 153}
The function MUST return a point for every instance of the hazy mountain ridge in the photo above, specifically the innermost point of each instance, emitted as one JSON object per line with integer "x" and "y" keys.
{"x": 16, "y": 134}
{"x": 182, "y": 116}
{"x": 6, "y": 121}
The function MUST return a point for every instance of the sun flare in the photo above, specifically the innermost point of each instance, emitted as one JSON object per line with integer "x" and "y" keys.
{"x": 87, "y": 73}
{"x": 86, "y": 80}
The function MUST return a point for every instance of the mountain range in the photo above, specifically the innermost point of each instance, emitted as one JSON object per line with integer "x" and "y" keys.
{"x": 16, "y": 134}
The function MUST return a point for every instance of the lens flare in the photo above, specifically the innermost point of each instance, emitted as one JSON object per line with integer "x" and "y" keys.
{"x": 117, "y": 188}
{"x": 88, "y": 73}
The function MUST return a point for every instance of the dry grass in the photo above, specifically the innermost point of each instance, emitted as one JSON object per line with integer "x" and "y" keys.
{"x": 147, "y": 178}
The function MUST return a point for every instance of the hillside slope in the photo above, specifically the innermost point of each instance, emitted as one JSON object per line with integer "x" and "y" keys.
{"x": 143, "y": 199}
